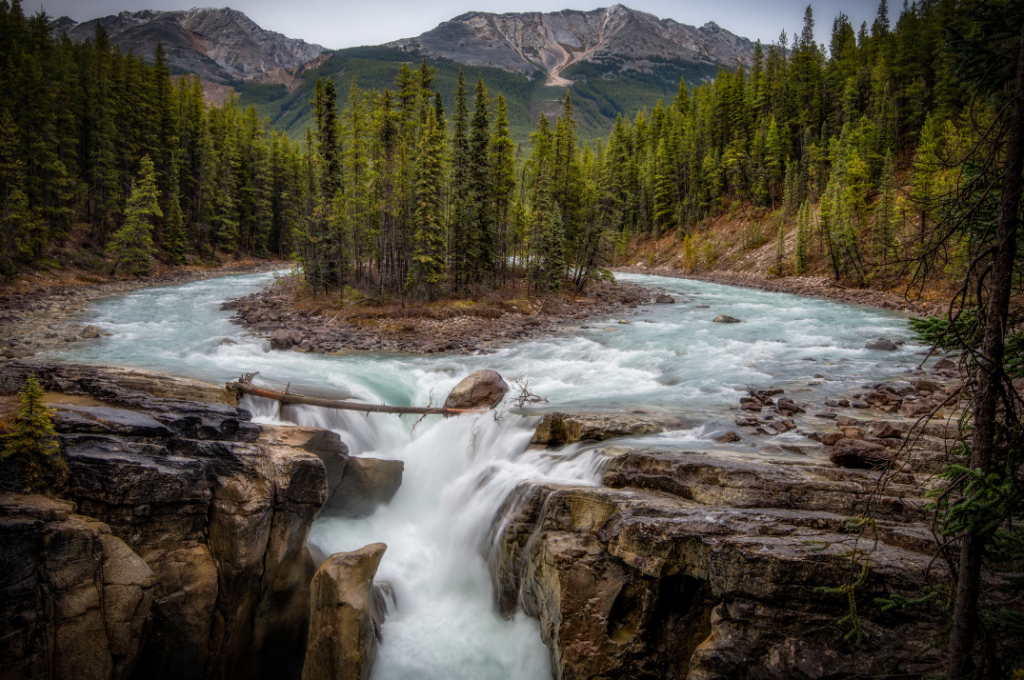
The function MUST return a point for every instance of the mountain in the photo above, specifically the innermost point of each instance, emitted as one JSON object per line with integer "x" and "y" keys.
{"x": 613, "y": 61}
{"x": 221, "y": 45}
{"x": 616, "y": 39}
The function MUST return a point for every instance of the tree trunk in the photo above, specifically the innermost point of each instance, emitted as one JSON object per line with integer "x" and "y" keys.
{"x": 990, "y": 376}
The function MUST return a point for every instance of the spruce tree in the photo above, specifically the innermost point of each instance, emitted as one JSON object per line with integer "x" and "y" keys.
{"x": 459, "y": 185}
{"x": 33, "y": 444}
{"x": 552, "y": 265}
{"x": 132, "y": 244}
{"x": 780, "y": 249}
{"x": 174, "y": 236}
{"x": 503, "y": 182}
{"x": 802, "y": 238}
{"x": 882, "y": 236}
{"x": 427, "y": 271}
{"x": 480, "y": 237}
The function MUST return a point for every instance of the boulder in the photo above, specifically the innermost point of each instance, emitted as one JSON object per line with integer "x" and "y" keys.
{"x": 926, "y": 386}
{"x": 728, "y": 438}
{"x": 281, "y": 339}
{"x": 944, "y": 364}
{"x": 367, "y": 484}
{"x": 881, "y": 344}
{"x": 855, "y": 453}
{"x": 725, "y": 318}
{"x": 345, "y": 617}
{"x": 665, "y": 300}
{"x": 480, "y": 389}
{"x": 91, "y": 332}
{"x": 557, "y": 429}
{"x": 831, "y": 438}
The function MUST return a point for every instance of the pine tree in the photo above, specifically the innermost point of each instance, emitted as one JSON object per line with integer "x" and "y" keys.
{"x": 882, "y": 236}
{"x": 503, "y": 182}
{"x": 480, "y": 237}
{"x": 459, "y": 185}
{"x": 552, "y": 265}
{"x": 802, "y": 238}
{"x": 780, "y": 249}
{"x": 132, "y": 244}
{"x": 427, "y": 272}
{"x": 33, "y": 444}
{"x": 174, "y": 236}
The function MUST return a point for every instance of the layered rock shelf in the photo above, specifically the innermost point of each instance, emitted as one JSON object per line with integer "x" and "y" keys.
{"x": 181, "y": 550}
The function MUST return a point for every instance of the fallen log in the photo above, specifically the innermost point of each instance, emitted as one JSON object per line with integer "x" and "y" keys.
{"x": 244, "y": 387}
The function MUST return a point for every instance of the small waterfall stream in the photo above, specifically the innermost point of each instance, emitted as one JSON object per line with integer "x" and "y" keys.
{"x": 670, "y": 359}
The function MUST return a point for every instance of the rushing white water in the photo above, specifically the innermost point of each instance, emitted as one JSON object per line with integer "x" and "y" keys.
{"x": 670, "y": 359}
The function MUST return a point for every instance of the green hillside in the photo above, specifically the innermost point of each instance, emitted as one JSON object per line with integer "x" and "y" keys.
{"x": 599, "y": 93}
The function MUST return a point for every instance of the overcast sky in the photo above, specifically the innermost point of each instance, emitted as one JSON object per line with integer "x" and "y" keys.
{"x": 348, "y": 23}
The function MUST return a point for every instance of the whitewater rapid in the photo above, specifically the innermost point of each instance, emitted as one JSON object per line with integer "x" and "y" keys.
{"x": 669, "y": 359}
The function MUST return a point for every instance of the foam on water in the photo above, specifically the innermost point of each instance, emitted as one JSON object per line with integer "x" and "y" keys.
{"x": 460, "y": 471}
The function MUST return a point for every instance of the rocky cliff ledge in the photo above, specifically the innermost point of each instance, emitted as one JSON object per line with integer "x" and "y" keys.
{"x": 181, "y": 550}
{"x": 706, "y": 566}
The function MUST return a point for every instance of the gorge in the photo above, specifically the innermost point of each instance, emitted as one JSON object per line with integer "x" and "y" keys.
{"x": 669, "y": 550}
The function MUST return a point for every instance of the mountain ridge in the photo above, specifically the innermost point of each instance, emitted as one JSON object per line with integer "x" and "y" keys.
{"x": 552, "y": 42}
{"x": 219, "y": 45}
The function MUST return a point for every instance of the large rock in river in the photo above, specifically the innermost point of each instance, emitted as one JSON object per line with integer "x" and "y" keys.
{"x": 557, "y": 429}
{"x": 881, "y": 344}
{"x": 345, "y": 616}
{"x": 725, "y": 318}
{"x": 480, "y": 389}
{"x": 856, "y": 453}
{"x": 367, "y": 484}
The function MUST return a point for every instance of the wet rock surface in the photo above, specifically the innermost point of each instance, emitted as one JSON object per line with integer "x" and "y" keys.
{"x": 346, "y": 611}
{"x": 182, "y": 550}
{"x": 705, "y": 563}
{"x": 705, "y": 566}
{"x": 556, "y": 429}
{"x": 480, "y": 389}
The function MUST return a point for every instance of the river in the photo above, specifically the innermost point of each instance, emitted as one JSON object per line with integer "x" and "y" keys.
{"x": 669, "y": 359}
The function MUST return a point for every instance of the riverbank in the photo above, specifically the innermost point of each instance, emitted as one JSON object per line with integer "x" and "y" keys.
{"x": 294, "y": 319}
{"x": 39, "y": 313}
{"x": 810, "y": 286}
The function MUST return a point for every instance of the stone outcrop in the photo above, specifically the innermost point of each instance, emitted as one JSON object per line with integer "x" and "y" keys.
{"x": 479, "y": 389}
{"x": 367, "y": 484}
{"x": 76, "y": 599}
{"x": 706, "y": 566}
{"x": 346, "y": 612}
{"x": 131, "y": 387}
{"x": 215, "y": 514}
{"x": 557, "y": 429}
{"x": 725, "y": 318}
{"x": 881, "y": 344}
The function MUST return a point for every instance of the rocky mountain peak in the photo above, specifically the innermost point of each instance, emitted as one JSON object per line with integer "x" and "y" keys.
{"x": 219, "y": 44}
{"x": 618, "y": 37}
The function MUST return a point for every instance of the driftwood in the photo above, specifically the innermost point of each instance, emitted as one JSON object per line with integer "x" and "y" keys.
{"x": 245, "y": 387}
